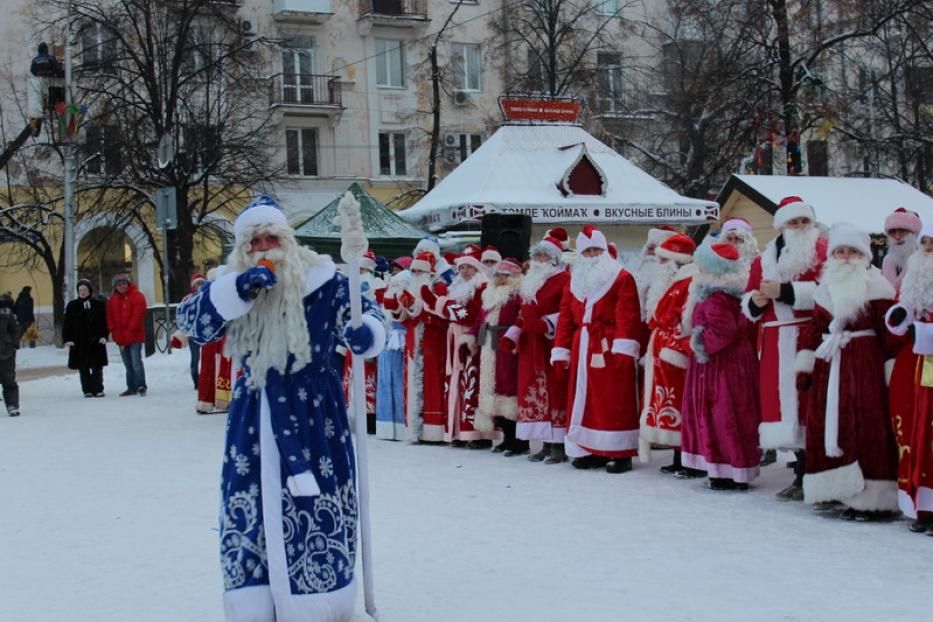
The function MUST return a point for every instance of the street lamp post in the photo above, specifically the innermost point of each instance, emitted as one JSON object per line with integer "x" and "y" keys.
{"x": 68, "y": 148}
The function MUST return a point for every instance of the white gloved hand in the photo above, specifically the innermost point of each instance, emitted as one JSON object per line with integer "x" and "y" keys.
{"x": 69, "y": 344}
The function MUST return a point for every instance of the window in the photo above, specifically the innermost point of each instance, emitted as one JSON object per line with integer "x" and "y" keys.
{"x": 606, "y": 7}
{"x": 609, "y": 82}
{"x": 301, "y": 151}
{"x": 817, "y": 158}
{"x": 297, "y": 70}
{"x": 465, "y": 60}
{"x": 535, "y": 78}
{"x": 98, "y": 48}
{"x": 392, "y": 153}
{"x": 468, "y": 143}
{"x": 102, "y": 150}
{"x": 390, "y": 63}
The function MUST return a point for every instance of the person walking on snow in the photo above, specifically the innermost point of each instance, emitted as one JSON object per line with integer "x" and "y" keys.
{"x": 289, "y": 502}
{"x": 126, "y": 316}
{"x": 85, "y": 333}
{"x": 9, "y": 343}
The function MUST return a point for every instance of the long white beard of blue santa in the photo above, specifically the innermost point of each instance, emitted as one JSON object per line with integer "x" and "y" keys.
{"x": 275, "y": 327}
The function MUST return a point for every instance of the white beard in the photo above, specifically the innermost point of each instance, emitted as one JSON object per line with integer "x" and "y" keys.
{"x": 917, "y": 288}
{"x": 398, "y": 283}
{"x": 496, "y": 296}
{"x": 799, "y": 253}
{"x": 462, "y": 290}
{"x": 415, "y": 283}
{"x": 658, "y": 286}
{"x": 589, "y": 274}
{"x": 538, "y": 273}
{"x": 646, "y": 270}
{"x": 846, "y": 282}
{"x": 900, "y": 252}
{"x": 275, "y": 327}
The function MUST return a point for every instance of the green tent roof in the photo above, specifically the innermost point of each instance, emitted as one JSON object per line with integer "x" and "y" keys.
{"x": 388, "y": 234}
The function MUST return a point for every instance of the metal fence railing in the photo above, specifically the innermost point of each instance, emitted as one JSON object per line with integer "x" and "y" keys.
{"x": 395, "y": 8}
{"x": 305, "y": 89}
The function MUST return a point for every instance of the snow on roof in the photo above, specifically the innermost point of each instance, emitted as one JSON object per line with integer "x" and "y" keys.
{"x": 518, "y": 171}
{"x": 864, "y": 202}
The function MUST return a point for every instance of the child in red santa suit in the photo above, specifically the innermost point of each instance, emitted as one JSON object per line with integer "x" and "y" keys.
{"x": 911, "y": 398}
{"x": 851, "y": 456}
{"x": 597, "y": 342}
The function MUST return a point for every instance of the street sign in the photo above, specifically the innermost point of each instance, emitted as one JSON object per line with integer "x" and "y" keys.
{"x": 166, "y": 209}
{"x": 166, "y": 151}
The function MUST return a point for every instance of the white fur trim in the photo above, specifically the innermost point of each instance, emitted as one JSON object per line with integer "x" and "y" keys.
{"x": 673, "y": 357}
{"x": 507, "y": 406}
{"x": 797, "y": 209}
{"x": 836, "y": 484}
{"x": 888, "y": 370}
{"x": 923, "y": 338}
{"x": 924, "y": 502}
{"x": 681, "y": 258}
{"x": 378, "y": 330}
{"x": 414, "y": 387}
{"x": 539, "y": 431}
{"x": 879, "y": 495}
{"x": 746, "y": 308}
{"x": 258, "y": 215}
{"x": 559, "y": 354}
{"x": 303, "y": 485}
{"x": 603, "y": 440}
{"x": 902, "y": 328}
{"x": 628, "y": 347}
{"x": 226, "y": 301}
{"x": 741, "y": 475}
{"x": 468, "y": 339}
{"x": 551, "y": 321}
{"x": 657, "y": 436}
{"x": 805, "y": 361}
{"x": 598, "y": 240}
{"x": 780, "y": 434}
{"x": 249, "y": 604}
{"x": 319, "y": 274}
{"x": 803, "y": 295}
{"x": 513, "y": 333}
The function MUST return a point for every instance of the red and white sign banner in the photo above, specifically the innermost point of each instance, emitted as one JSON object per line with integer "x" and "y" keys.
{"x": 541, "y": 110}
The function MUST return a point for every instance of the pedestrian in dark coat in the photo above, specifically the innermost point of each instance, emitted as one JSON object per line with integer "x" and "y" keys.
{"x": 24, "y": 309}
{"x": 85, "y": 333}
{"x": 9, "y": 342}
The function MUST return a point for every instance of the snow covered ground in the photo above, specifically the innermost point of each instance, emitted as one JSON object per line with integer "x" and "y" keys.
{"x": 108, "y": 511}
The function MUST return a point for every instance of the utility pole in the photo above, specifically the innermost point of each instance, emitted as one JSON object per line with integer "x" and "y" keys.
{"x": 68, "y": 149}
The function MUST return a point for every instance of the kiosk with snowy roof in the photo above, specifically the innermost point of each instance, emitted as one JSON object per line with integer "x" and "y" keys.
{"x": 542, "y": 163}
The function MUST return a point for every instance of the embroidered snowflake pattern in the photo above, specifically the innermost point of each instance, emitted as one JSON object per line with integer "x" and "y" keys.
{"x": 255, "y": 449}
{"x": 329, "y": 427}
{"x": 302, "y": 394}
{"x": 242, "y": 464}
{"x": 326, "y": 466}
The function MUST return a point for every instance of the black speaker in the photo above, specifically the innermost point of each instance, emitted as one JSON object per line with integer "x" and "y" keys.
{"x": 510, "y": 233}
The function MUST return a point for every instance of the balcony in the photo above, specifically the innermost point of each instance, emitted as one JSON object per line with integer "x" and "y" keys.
{"x": 305, "y": 94}
{"x": 302, "y": 11}
{"x": 401, "y": 13}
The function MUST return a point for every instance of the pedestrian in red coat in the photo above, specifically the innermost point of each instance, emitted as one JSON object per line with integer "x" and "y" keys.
{"x": 126, "y": 314}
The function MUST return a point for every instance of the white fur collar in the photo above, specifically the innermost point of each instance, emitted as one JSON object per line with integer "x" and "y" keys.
{"x": 879, "y": 288}
{"x": 319, "y": 274}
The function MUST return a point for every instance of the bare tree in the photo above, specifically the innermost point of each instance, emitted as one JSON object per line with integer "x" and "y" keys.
{"x": 148, "y": 68}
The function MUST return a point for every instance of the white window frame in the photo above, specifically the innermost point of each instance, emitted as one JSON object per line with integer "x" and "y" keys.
{"x": 465, "y": 144}
{"x": 610, "y": 102}
{"x": 463, "y": 58}
{"x": 299, "y": 135}
{"x": 393, "y": 163}
{"x": 99, "y": 49}
{"x": 298, "y": 84}
{"x": 384, "y": 56}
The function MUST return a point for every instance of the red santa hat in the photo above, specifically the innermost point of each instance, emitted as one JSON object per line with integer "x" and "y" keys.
{"x": 678, "y": 248}
{"x": 656, "y": 235}
{"x": 491, "y": 253}
{"x": 717, "y": 259}
{"x": 508, "y": 267}
{"x": 470, "y": 257}
{"x": 901, "y": 218}
{"x": 552, "y": 244}
{"x": 736, "y": 224}
{"x": 613, "y": 250}
{"x": 425, "y": 261}
{"x": 790, "y": 208}
{"x": 845, "y": 234}
{"x": 591, "y": 237}
{"x": 368, "y": 261}
{"x": 403, "y": 262}
{"x": 196, "y": 280}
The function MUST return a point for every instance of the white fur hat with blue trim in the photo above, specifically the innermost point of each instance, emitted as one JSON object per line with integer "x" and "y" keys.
{"x": 262, "y": 210}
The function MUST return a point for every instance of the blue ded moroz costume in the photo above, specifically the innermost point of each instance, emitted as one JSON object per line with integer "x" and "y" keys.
{"x": 289, "y": 499}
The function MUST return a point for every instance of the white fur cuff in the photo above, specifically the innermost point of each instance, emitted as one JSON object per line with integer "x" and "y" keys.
{"x": 226, "y": 300}
{"x": 513, "y": 333}
{"x": 673, "y": 357}
{"x": 746, "y": 309}
{"x": 803, "y": 295}
{"x": 923, "y": 338}
{"x": 559, "y": 355}
{"x": 467, "y": 339}
{"x": 805, "y": 361}
{"x": 303, "y": 485}
{"x": 551, "y": 321}
{"x": 378, "y": 330}
{"x": 888, "y": 370}
{"x": 628, "y": 347}
{"x": 898, "y": 329}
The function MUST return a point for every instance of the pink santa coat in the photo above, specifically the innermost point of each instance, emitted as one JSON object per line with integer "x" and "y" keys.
{"x": 779, "y": 339}
{"x": 542, "y": 393}
{"x": 599, "y": 335}
{"x": 498, "y": 368}
{"x": 720, "y": 407}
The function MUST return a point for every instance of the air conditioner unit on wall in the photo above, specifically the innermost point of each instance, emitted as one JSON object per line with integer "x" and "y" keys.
{"x": 461, "y": 98}
{"x": 450, "y": 139}
{"x": 247, "y": 28}
{"x": 450, "y": 156}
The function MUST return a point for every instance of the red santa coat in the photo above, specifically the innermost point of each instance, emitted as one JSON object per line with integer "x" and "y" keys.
{"x": 498, "y": 368}
{"x": 598, "y": 335}
{"x": 542, "y": 393}
{"x": 911, "y": 406}
{"x": 779, "y": 340}
{"x": 851, "y": 454}
{"x": 666, "y": 360}
{"x": 462, "y": 376}
{"x": 213, "y": 378}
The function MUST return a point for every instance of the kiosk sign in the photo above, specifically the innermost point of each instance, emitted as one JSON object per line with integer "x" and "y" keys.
{"x": 541, "y": 110}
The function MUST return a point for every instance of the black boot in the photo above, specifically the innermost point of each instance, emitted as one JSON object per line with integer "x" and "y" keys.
{"x": 619, "y": 465}
{"x": 590, "y": 462}
{"x": 504, "y": 446}
{"x": 688, "y": 473}
{"x": 370, "y": 423}
{"x": 794, "y": 492}
{"x": 557, "y": 454}
{"x": 516, "y": 447}
{"x": 541, "y": 455}
{"x": 676, "y": 466}
{"x": 479, "y": 444}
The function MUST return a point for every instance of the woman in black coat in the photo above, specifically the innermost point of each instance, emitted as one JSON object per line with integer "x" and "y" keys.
{"x": 85, "y": 332}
